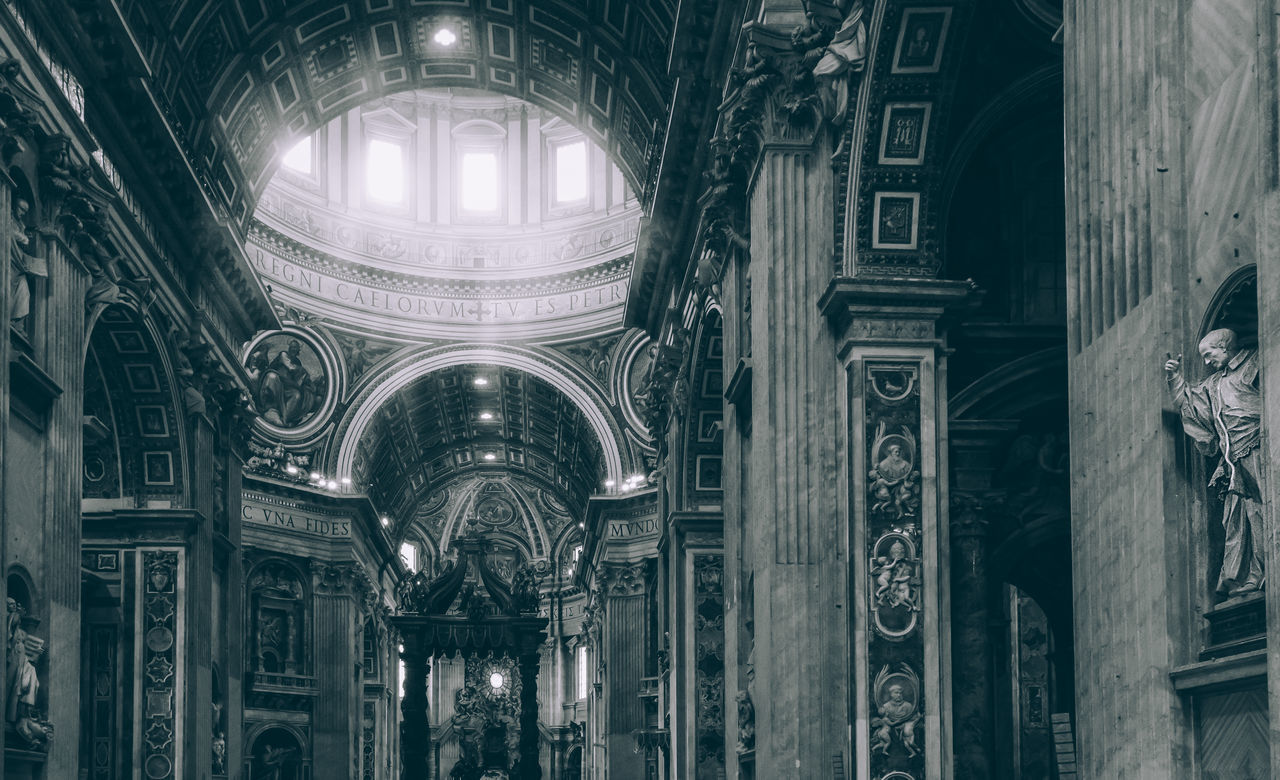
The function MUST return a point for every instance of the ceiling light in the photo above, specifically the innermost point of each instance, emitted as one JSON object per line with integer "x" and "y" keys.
{"x": 486, "y": 415}
{"x": 317, "y": 476}
{"x": 346, "y": 480}
{"x": 608, "y": 483}
{"x": 637, "y": 477}
{"x": 582, "y": 524}
{"x": 292, "y": 469}
{"x": 333, "y": 485}
{"x": 480, "y": 381}
{"x": 386, "y": 521}
{"x": 444, "y": 36}
{"x": 489, "y": 456}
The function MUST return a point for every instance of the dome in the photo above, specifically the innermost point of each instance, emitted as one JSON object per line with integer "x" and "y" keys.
{"x": 449, "y": 214}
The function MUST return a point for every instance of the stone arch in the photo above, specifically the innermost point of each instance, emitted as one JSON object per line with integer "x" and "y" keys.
{"x": 702, "y": 440}
{"x": 1235, "y": 306}
{"x": 279, "y": 736}
{"x": 272, "y": 601}
{"x": 141, "y": 443}
{"x": 573, "y": 382}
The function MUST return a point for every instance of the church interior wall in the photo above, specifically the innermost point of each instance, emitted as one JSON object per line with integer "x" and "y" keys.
{"x": 700, "y": 500}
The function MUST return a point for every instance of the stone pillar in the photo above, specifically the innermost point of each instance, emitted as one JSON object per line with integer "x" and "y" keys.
{"x": 415, "y": 730}
{"x": 6, "y": 219}
{"x": 530, "y": 769}
{"x": 200, "y": 632}
{"x": 898, "y": 534}
{"x": 972, "y": 686}
{"x": 60, "y": 346}
{"x": 792, "y": 506}
{"x": 623, "y": 642}
{"x": 337, "y": 712}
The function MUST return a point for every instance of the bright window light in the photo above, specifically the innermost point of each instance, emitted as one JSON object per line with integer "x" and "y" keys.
{"x": 409, "y": 554}
{"x": 384, "y": 171}
{"x": 445, "y": 37}
{"x": 582, "y": 671}
{"x": 571, "y": 172}
{"x": 298, "y": 159}
{"x": 479, "y": 180}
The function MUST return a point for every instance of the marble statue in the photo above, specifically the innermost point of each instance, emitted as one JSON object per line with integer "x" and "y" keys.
{"x": 23, "y": 265}
{"x": 22, "y": 683}
{"x": 1223, "y": 415}
{"x": 845, "y": 55}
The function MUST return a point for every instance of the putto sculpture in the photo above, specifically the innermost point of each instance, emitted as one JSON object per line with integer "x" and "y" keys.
{"x": 1222, "y": 415}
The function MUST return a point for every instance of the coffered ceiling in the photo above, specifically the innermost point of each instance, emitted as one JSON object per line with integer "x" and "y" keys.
{"x": 434, "y": 431}
{"x": 241, "y": 78}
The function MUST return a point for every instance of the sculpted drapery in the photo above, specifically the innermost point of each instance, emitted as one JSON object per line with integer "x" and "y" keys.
{"x": 1222, "y": 415}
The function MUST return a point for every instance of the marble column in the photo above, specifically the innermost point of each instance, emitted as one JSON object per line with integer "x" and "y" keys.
{"x": 336, "y": 716}
{"x": 972, "y": 686}
{"x": 60, "y": 347}
{"x": 415, "y": 729}
{"x": 201, "y": 635}
{"x": 896, "y": 418}
{"x": 623, "y": 641}
{"x": 792, "y": 506}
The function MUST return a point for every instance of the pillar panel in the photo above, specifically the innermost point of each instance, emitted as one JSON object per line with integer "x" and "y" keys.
{"x": 899, "y": 640}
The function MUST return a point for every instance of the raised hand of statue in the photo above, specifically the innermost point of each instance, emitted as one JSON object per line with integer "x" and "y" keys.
{"x": 1173, "y": 365}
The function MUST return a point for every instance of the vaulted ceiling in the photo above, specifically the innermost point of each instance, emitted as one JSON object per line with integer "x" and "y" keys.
{"x": 433, "y": 432}
{"x": 240, "y": 78}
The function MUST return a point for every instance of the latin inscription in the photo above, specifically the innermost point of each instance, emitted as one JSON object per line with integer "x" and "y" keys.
{"x": 633, "y": 528}
{"x": 289, "y": 521}
{"x": 415, "y": 306}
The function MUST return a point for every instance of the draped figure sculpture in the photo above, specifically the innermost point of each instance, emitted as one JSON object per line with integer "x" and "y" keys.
{"x": 1223, "y": 415}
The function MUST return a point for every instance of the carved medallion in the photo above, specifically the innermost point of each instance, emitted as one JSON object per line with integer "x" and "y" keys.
{"x": 895, "y": 585}
{"x": 291, "y": 380}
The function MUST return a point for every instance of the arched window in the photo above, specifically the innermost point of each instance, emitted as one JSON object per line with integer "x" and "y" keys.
{"x": 479, "y": 154}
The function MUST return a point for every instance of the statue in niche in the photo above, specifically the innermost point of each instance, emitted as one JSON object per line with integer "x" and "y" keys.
{"x": 1223, "y": 416}
{"x": 22, "y": 683}
{"x": 23, "y": 266}
{"x": 219, "y": 753}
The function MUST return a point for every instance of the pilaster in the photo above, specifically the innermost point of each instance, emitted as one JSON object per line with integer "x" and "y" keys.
{"x": 337, "y": 707}
{"x": 792, "y": 504}
{"x": 899, "y": 541}
{"x": 623, "y": 638}
{"x": 60, "y": 346}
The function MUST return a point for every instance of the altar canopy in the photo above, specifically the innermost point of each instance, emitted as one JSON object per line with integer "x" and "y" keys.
{"x": 470, "y": 610}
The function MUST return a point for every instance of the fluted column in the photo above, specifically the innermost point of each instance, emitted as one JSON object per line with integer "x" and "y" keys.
{"x": 60, "y": 347}
{"x": 973, "y": 691}
{"x": 336, "y": 714}
{"x": 623, "y": 641}
{"x": 792, "y": 509}
{"x": 415, "y": 729}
